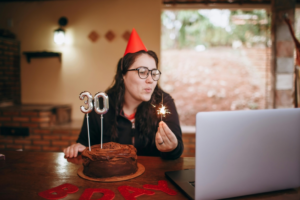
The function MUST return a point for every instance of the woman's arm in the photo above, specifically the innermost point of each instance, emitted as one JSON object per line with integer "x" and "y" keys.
{"x": 82, "y": 141}
{"x": 172, "y": 131}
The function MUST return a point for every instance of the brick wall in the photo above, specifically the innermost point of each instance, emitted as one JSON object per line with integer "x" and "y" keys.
{"x": 31, "y": 119}
{"x": 10, "y": 90}
{"x": 40, "y": 139}
{"x": 44, "y": 125}
{"x": 189, "y": 145}
{"x": 43, "y": 134}
{"x": 282, "y": 65}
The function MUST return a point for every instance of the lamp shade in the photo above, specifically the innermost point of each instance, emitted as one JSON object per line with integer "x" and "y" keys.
{"x": 59, "y": 36}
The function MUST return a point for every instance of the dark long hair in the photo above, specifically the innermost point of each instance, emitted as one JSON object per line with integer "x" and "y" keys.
{"x": 146, "y": 119}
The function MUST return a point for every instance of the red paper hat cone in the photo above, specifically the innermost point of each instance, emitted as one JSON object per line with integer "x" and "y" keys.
{"x": 135, "y": 43}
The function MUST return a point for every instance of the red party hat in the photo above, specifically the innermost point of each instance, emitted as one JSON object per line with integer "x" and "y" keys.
{"x": 135, "y": 43}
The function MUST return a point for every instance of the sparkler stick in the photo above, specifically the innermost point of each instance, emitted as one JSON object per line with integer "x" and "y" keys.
{"x": 101, "y": 111}
{"x": 87, "y": 110}
{"x": 88, "y": 128}
{"x": 162, "y": 104}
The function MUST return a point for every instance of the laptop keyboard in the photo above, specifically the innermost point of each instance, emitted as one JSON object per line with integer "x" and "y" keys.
{"x": 192, "y": 183}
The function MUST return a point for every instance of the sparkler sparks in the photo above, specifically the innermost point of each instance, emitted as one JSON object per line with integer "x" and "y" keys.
{"x": 162, "y": 111}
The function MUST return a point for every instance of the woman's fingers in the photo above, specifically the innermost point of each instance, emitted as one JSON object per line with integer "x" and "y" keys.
{"x": 81, "y": 148}
{"x": 72, "y": 151}
{"x": 170, "y": 141}
{"x": 171, "y": 136}
{"x": 163, "y": 134}
{"x": 76, "y": 150}
{"x": 68, "y": 152}
{"x": 158, "y": 138}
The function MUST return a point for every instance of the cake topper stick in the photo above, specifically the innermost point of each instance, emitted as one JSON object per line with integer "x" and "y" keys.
{"x": 101, "y": 111}
{"x": 87, "y": 110}
{"x": 163, "y": 110}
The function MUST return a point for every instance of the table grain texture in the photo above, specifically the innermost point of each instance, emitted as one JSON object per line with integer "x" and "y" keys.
{"x": 24, "y": 174}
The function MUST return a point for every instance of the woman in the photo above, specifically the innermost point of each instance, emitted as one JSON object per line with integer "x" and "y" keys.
{"x": 132, "y": 116}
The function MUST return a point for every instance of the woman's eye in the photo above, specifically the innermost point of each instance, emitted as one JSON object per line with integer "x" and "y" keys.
{"x": 143, "y": 71}
{"x": 155, "y": 76}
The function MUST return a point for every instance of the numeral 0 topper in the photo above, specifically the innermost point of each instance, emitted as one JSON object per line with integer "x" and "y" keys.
{"x": 101, "y": 111}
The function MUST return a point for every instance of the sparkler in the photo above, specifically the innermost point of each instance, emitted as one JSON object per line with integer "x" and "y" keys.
{"x": 162, "y": 111}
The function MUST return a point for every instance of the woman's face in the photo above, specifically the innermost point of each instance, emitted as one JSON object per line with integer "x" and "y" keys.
{"x": 138, "y": 89}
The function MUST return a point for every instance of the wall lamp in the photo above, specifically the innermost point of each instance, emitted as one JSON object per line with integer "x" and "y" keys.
{"x": 59, "y": 34}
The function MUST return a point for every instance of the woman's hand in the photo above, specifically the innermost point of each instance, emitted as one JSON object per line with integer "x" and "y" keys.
{"x": 72, "y": 151}
{"x": 165, "y": 139}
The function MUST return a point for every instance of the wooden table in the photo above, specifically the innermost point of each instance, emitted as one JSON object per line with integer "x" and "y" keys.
{"x": 24, "y": 174}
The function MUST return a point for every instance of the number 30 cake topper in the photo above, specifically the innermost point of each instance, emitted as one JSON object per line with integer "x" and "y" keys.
{"x": 89, "y": 108}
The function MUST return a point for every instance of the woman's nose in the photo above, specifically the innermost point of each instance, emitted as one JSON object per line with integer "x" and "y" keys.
{"x": 149, "y": 78}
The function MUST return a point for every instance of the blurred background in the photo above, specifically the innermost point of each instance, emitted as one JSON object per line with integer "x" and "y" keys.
{"x": 214, "y": 55}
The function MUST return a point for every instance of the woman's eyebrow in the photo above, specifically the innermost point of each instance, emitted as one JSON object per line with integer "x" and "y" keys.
{"x": 146, "y": 67}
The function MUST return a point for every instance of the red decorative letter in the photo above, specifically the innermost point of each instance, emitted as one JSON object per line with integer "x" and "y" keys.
{"x": 162, "y": 186}
{"x": 59, "y": 191}
{"x": 88, "y": 193}
{"x": 124, "y": 190}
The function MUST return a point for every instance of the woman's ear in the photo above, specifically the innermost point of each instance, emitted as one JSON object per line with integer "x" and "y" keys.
{"x": 123, "y": 78}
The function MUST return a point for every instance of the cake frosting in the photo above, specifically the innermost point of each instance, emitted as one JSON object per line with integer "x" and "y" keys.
{"x": 113, "y": 159}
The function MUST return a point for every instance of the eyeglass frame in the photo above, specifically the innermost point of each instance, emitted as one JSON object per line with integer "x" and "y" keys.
{"x": 149, "y": 70}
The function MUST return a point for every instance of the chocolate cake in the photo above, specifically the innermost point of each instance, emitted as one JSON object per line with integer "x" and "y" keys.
{"x": 113, "y": 159}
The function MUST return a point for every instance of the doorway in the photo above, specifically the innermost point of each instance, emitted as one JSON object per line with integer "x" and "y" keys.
{"x": 215, "y": 60}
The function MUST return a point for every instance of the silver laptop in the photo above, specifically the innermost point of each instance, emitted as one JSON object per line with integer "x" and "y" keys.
{"x": 242, "y": 153}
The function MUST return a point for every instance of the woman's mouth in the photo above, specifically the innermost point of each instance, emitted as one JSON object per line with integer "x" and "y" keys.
{"x": 148, "y": 90}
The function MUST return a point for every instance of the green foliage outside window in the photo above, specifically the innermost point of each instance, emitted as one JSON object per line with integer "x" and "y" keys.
{"x": 189, "y": 28}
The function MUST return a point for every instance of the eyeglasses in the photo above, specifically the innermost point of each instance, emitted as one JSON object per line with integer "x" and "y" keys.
{"x": 144, "y": 72}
